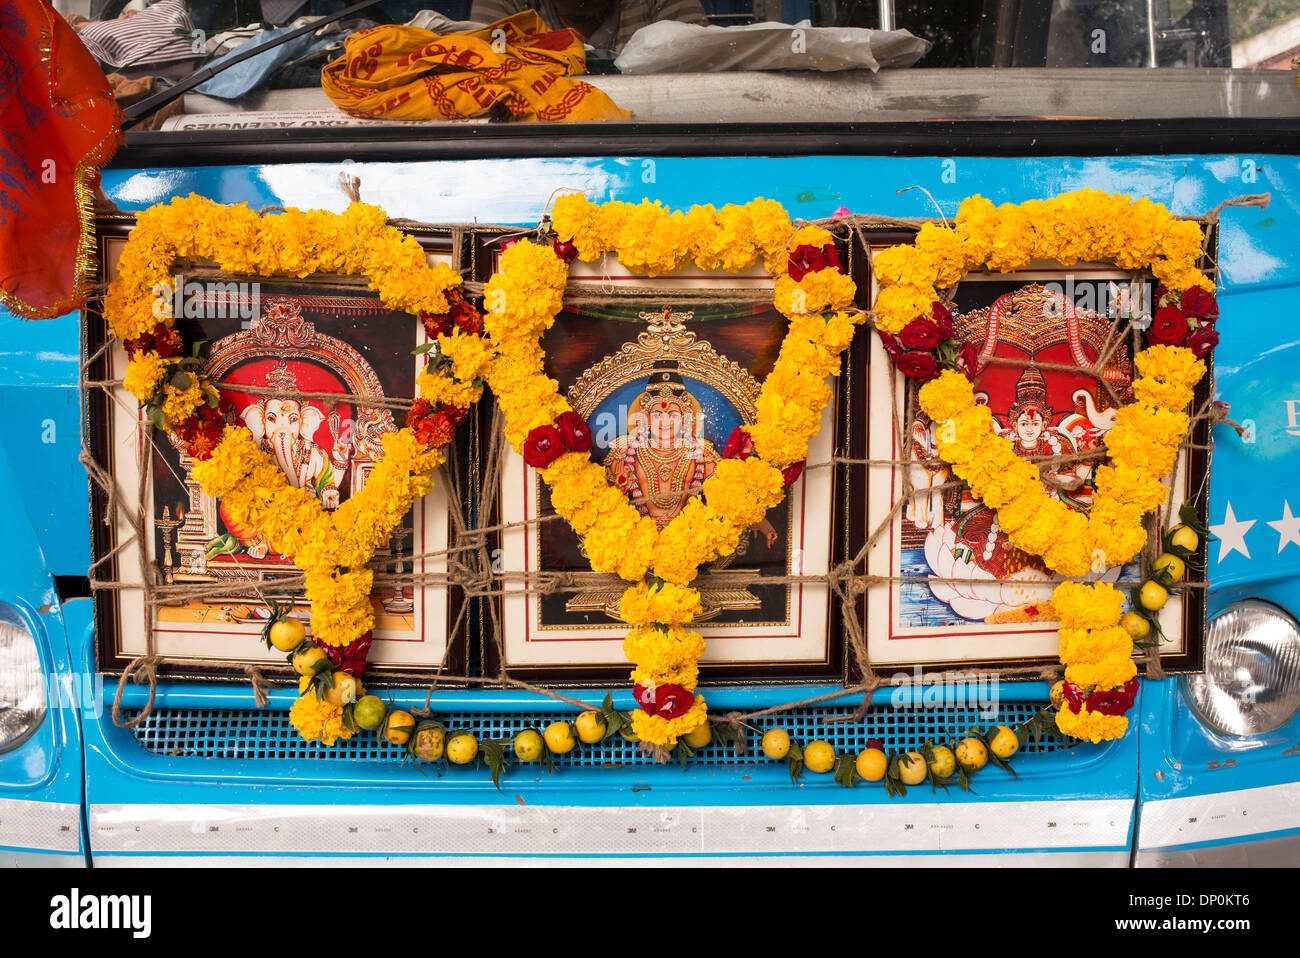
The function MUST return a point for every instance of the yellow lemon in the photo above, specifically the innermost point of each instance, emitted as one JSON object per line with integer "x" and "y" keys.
{"x": 304, "y": 663}
{"x": 591, "y": 727}
{"x": 871, "y": 764}
{"x": 287, "y": 634}
{"x": 559, "y": 737}
{"x": 1057, "y": 693}
{"x": 345, "y": 690}
{"x": 528, "y": 745}
{"x": 972, "y": 753}
{"x": 912, "y": 769}
{"x": 942, "y": 762}
{"x": 699, "y": 737}
{"x": 429, "y": 743}
{"x": 1004, "y": 743}
{"x": 1153, "y": 596}
{"x": 369, "y": 712}
{"x": 399, "y": 727}
{"x": 776, "y": 743}
{"x": 462, "y": 748}
{"x": 819, "y": 756}
{"x": 1136, "y": 625}
{"x": 1184, "y": 537}
{"x": 1170, "y": 562}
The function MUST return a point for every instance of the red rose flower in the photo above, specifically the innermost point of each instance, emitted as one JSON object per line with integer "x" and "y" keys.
{"x": 892, "y": 347}
{"x": 804, "y": 260}
{"x": 968, "y": 360}
{"x": 942, "y": 318}
{"x": 918, "y": 366}
{"x": 1200, "y": 304}
{"x": 1203, "y": 341}
{"x": 1114, "y": 701}
{"x": 668, "y": 701}
{"x": 543, "y": 446}
{"x": 505, "y": 244}
{"x": 350, "y": 658}
{"x": 1168, "y": 327}
{"x": 566, "y": 251}
{"x": 792, "y": 472}
{"x": 1073, "y": 696}
{"x": 573, "y": 430}
{"x": 874, "y": 743}
{"x": 920, "y": 333}
{"x": 739, "y": 445}
{"x": 832, "y": 257}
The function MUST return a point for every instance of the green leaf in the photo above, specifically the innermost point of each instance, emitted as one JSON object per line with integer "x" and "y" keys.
{"x": 893, "y": 783}
{"x": 182, "y": 381}
{"x": 794, "y": 761}
{"x": 424, "y": 348}
{"x": 684, "y": 752}
{"x": 492, "y": 751}
{"x": 1187, "y": 513}
{"x": 724, "y": 733}
{"x": 846, "y": 771}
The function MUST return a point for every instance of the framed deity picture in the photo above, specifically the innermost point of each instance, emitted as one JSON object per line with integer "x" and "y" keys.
{"x": 663, "y": 370}
{"x": 947, "y": 590}
{"x": 277, "y": 349}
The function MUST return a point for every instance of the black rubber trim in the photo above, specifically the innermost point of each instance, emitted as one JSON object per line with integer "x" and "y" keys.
{"x": 72, "y": 587}
{"x": 1035, "y": 137}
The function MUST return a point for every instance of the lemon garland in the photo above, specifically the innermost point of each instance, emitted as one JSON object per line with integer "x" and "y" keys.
{"x": 331, "y": 549}
{"x": 521, "y": 302}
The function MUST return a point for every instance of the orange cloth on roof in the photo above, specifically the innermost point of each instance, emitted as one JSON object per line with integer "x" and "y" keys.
{"x": 404, "y": 73}
{"x": 58, "y": 125}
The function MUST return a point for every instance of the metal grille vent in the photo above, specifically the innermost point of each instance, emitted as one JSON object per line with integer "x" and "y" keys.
{"x": 267, "y": 734}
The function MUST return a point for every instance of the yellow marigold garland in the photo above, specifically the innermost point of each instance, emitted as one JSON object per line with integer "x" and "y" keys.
{"x": 521, "y": 302}
{"x": 331, "y": 549}
{"x": 1142, "y": 444}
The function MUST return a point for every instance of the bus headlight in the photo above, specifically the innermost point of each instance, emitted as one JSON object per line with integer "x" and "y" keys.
{"x": 22, "y": 683}
{"x": 1251, "y": 683}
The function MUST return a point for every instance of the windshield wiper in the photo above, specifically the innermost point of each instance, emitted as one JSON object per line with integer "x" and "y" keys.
{"x": 148, "y": 105}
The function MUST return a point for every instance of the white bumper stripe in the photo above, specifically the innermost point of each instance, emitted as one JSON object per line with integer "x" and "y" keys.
{"x": 562, "y": 830}
{"x": 1219, "y": 815}
{"x": 40, "y": 825}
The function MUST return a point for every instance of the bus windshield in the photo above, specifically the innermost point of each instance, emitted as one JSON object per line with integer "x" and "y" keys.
{"x": 675, "y": 61}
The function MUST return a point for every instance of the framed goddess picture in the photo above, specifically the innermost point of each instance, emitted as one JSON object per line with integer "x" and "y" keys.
{"x": 947, "y": 588}
{"x": 279, "y": 349}
{"x": 664, "y": 370}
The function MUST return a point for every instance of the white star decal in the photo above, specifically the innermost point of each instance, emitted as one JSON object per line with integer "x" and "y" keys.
{"x": 1232, "y": 534}
{"x": 1288, "y": 528}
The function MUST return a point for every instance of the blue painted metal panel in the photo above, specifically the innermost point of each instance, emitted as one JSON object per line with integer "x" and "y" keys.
{"x": 1257, "y": 373}
{"x": 43, "y": 775}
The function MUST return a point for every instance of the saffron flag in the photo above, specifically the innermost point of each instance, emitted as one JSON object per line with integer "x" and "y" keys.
{"x": 59, "y": 124}
{"x": 404, "y": 73}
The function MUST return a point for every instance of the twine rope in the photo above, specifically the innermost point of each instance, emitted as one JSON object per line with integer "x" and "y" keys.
{"x": 469, "y": 563}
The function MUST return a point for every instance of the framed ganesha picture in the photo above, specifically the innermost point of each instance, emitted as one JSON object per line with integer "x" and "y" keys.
{"x": 664, "y": 370}
{"x": 947, "y": 589}
{"x": 278, "y": 348}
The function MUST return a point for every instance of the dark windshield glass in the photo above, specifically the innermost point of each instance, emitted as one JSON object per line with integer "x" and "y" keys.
{"x": 702, "y": 60}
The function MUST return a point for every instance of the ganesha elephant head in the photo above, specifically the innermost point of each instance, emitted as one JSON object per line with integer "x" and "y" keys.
{"x": 285, "y": 428}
